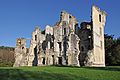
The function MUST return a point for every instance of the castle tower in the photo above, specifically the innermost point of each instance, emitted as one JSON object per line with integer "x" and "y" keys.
{"x": 98, "y": 24}
{"x": 20, "y": 52}
{"x": 21, "y": 45}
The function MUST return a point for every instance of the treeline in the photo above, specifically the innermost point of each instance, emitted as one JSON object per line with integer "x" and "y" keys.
{"x": 112, "y": 50}
{"x": 6, "y": 56}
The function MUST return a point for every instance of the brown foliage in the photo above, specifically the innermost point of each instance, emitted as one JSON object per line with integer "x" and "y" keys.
{"x": 7, "y": 55}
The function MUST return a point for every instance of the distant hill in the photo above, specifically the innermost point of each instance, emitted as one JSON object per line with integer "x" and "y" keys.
{"x": 6, "y": 56}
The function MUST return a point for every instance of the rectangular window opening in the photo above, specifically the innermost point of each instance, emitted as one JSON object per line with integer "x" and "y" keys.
{"x": 99, "y": 17}
{"x": 35, "y": 37}
{"x": 64, "y": 30}
{"x": 60, "y": 47}
{"x": 43, "y": 61}
{"x": 60, "y": 60}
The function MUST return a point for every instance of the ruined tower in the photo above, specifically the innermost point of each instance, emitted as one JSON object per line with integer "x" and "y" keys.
{"x": 20, "y": 52}
{"x": 98, "y": 24}
{"x": 92, "y": 51}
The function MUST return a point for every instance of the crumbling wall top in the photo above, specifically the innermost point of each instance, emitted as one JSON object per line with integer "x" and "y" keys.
{"x": 99, "y": 10}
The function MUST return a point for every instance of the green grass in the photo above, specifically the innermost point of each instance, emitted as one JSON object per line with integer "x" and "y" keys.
{"x": 59, "y": 73}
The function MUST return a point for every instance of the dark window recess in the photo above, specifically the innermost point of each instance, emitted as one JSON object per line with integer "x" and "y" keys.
{"x": 53, "y": 59}
{"x": 43, "y": 61}
{"x": 60, "y": 60}
{"x": 51, "y": 45}
{"x": 76, "y": 25}
{"x": 69, "y": 16}
{"x": 76, "y": 28}
{"x": 35, "y": 61}
{"x": 64, "y": 23}
{"x": 35, "y": 37}
{"x": 99, "y": 17}
{"x": 64, "y": 30}
{"x": 89, "y": 47}
{"x": 60, "y": 45}
{"x": 22, "y": 47}
{"x": 19, "y": 42}
{"x": 43, "y": 32}
{"x": 66, "y": 59}
{"x": 82, "y": 48}
{"x": 27, "y": 50}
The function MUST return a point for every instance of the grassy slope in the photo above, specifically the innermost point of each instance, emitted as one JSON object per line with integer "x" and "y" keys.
{"x": 59, "y": 73}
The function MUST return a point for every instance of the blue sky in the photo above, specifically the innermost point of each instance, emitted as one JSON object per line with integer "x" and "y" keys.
{"x": 18, "y": 18}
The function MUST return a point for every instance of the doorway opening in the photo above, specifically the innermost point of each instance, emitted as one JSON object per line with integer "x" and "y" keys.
{"x": 53, "y": 59}
{"x": 60, "y": 60}
{"x": 43, "y": 61}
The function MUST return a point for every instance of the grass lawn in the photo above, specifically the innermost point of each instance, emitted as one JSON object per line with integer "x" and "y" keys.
{"x": 60, "y": 73}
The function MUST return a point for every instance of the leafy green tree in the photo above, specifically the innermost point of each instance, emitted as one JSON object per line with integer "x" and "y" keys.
{"x": 112, "y": 50}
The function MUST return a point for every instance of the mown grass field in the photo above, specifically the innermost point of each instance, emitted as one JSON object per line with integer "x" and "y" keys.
{"x": 59, "y": 73}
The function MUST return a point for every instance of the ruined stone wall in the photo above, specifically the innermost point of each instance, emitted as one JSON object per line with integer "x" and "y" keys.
{"x": 34, "y": 47}
{"x": 65, "y": 43}
{"x": 62, "y": 35}
{"x": 73, "y": 50}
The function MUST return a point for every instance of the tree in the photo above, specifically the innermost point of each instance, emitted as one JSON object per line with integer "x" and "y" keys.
{"x": 112, "y": 50}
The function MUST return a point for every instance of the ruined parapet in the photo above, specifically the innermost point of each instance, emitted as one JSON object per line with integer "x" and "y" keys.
{"x": 49, "y": 36}
{"x": 70, "y": 20}
{"x": 64, "y": 16}
{"x": 20, "y": 52}
{"x": 73, "y": 24}
{"x": 49, "y": 30}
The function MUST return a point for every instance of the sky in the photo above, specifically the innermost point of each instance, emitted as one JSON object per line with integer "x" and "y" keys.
{"x": 18, "y": 18}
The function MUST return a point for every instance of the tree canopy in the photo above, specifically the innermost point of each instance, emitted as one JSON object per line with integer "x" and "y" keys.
{"x": 112, "y": 50}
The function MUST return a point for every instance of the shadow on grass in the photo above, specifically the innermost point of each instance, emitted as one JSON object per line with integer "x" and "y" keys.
{"x": 109, "y": 68}
{"x": 112, "y": 68}
{"x": 70, "y": 66}
{"x": 19, "y": 74}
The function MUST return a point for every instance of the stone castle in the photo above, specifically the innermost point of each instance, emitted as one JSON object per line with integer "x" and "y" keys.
{"x": 65, "y": 43}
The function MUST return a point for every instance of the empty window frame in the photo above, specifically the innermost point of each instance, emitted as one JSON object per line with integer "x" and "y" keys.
{"x": 100, "y": 18}
{"x": 82, "y": 48}
{"x": 35, "y": 37}
{"x": 64, "y": 31}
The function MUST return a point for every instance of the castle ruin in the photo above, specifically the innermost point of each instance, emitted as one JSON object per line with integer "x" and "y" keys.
{"x": 65, "y": 43}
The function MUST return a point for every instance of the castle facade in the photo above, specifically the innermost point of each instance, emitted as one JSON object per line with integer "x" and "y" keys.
{"x": 65, "y": 43}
